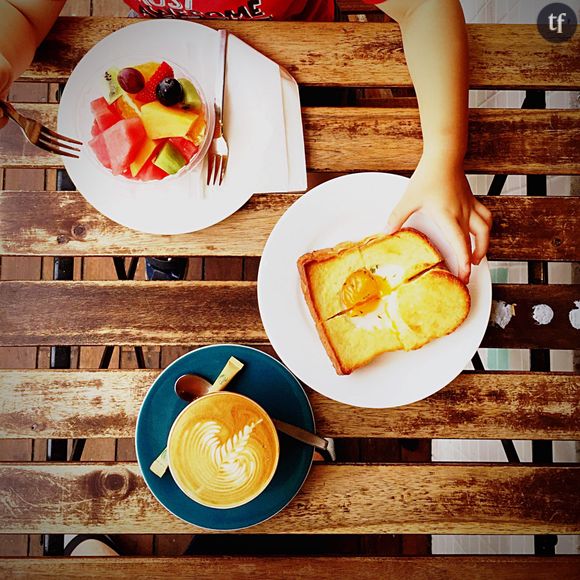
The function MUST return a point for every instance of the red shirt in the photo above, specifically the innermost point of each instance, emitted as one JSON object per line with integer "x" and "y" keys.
{"x": 313, "y": 10}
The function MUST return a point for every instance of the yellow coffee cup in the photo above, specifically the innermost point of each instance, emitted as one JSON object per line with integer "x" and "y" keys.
{"x": 223, "y": 450}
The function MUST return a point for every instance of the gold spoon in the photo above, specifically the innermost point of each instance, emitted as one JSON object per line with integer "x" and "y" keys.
{"x": 189, "y": 388}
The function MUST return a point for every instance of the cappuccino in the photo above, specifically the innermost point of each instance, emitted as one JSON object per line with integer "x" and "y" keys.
{"x": 223, "y": 450}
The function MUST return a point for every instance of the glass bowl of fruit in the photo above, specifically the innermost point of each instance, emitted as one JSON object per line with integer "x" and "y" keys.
{"x": 151, "y": 123}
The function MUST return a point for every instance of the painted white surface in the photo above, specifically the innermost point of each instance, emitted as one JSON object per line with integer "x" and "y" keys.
{"x": 502, "y": 313}
{"x": 542, "y": 314}
{"x": 574, "y": 315}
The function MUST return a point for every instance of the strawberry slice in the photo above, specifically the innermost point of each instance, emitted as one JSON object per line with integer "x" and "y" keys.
{"x": 185, "y": 146}
{"x": 147, "y": 93}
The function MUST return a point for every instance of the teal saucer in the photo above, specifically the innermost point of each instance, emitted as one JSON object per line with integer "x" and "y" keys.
{"x": 263, "y": 379}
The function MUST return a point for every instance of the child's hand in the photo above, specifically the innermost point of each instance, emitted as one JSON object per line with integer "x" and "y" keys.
{"x": 5, "y": 82}
{"x": 443, "y": 193}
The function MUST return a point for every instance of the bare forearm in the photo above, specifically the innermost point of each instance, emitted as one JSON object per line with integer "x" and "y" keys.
{"x": 23, "y": 25}
{"x": 435, "y": 43}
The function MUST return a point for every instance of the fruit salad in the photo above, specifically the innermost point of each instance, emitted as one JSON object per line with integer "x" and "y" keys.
{"x": 148, "y": 124}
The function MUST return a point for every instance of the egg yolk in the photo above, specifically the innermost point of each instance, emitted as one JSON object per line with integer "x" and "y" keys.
{"x": 360, "y": 293}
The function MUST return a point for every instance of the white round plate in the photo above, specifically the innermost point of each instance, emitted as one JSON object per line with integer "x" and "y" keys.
{"x": 173, "y": 205}
{"x": 350, "y": 208}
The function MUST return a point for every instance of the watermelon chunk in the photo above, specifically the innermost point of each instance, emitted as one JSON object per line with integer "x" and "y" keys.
{"x": 150, "y": 172}
{"x": 147, "y": 149}
{"x": 123, "y": 141}
{"x": 105, "y": 115}
{"x": 185, "y": 146}
{"x": 97, "y": 144}
{"x": 95, "y": 129}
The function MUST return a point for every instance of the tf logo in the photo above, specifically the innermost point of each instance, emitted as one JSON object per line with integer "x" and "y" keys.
{"x": 557, "y": 22}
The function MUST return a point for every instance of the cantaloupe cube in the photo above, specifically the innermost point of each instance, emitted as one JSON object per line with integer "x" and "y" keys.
{"x": 161, "y": 121}
{"x": 126, "y": 107}
{"x": 147, "y": 69}
{"x": 142, "y": 156}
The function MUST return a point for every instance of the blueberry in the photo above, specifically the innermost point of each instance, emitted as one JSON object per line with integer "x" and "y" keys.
{"x": 169, "y": 92}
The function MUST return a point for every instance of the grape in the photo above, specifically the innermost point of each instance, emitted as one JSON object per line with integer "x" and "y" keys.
{"x": 169, "y": 92}
{"x": 131, "y": 80}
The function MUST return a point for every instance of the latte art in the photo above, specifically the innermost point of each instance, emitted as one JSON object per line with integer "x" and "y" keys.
{"x": 233, "y": 463}
{"x": 223, "y": 450}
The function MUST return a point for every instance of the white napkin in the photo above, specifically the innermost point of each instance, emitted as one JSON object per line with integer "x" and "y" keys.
{"x": 262, "y": 124}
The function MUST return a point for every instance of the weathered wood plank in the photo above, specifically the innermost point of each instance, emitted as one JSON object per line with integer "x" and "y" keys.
{"x": 395, "y": 498}
{"x": 349, "y": 139}
{"x": 195, "y": 313}
{"x": 354, "y": 7}
{"x": 515, "y": 405}
{"x": 14, "y": 357}
{"x": 520, "y": 223}
{"x": 141, "y": 307}
{"x": 101, "y": 449}
{"x": 28, "y": 93}
{"x": 223, "y": 268}
{"x": 137, "y": 544}
{"x": 63, "y": 223}
{"x": 348, "y": 54}
{"x": 500, "y": 141}
{"x": 28, "y": 357}
{"x": 297, "y": 568}
{"x": 23, "y": 358}
{"x": 108, "y": 8}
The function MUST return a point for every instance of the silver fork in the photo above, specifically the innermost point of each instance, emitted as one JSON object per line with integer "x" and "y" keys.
{"x": 218, "y": 150}
{"x": 40, "y": 135}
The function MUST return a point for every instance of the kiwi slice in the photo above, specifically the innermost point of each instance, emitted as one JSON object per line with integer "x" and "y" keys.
{"x": 191, "y": 98}
{"x": 113, "y": 89}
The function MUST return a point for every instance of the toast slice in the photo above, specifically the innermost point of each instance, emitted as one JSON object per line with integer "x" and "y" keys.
{"x": 353, "y": 341}
{"x": 400, "y": 256}
{"x": 394, "y": 258}
{"x": 430, "y": 306}
{"x": 384, "y": 293}
{"x": 322, "y": 275}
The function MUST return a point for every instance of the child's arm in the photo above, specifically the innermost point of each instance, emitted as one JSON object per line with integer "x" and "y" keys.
{"x": 435, "y": 43}
{"x": 23, "y": 25}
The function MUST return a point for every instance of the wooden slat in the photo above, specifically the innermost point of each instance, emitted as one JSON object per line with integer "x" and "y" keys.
{"x": 194, "y": 313}
{"x": 500, "y": 140}
{"x": 63, "y": 223}
{"x": 416, "y": 499}
{"x": 231, "y": 306}
{"x": 94, "y": 404}
{"x": 297, "y": 568}
{"x": 534, "y": 228}
{"x": 27, "y": 357}
{"x": 349, "y": 139}
{"x": 354, "y": 7}
{"x": 348, "y": 54}
{"x": 28, "y": 92}
{"x": 10, "y": 357}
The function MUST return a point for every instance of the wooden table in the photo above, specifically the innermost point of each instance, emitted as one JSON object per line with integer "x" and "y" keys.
{"x": 350, "y": 497}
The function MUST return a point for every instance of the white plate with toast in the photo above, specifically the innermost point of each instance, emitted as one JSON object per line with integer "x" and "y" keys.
{"x": 350, "y": 208}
